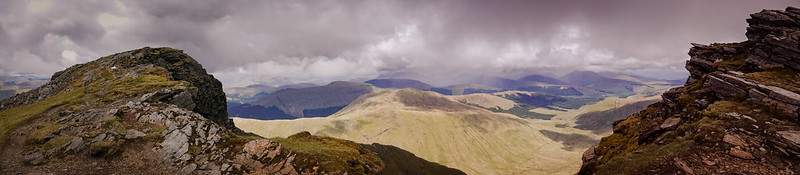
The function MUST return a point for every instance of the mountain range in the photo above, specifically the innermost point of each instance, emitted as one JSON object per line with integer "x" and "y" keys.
{"x": 575, "y": 90}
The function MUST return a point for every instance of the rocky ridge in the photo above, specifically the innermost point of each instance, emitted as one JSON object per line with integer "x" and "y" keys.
{"x": 737, "y": 113}
{"x": 156, "y": 111}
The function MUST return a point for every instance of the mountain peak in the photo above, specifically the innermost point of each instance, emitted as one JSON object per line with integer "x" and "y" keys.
{"x": 169, "y": 63}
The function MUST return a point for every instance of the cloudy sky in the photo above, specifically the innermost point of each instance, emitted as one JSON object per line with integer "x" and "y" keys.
{"x": 294, "y": 41}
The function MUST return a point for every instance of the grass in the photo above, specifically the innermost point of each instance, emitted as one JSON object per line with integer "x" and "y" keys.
{"x": 783, "y": 78}
{"x": 11, "y": 118}
{"x": 721, "y": 107}
{"x": 40, "y": 134}
{"x": 734, "y": 62}
{"x": 106, "y": 87}
{"x": 329, "y": 153}
{"x": 56, "y": 143}
{"x": 651, "y": 155}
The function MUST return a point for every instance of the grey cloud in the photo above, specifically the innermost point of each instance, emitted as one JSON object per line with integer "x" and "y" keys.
{"x": 281, "y": 42}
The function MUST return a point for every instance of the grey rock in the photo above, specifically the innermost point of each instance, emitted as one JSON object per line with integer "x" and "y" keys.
{"x": 175, "y": 144}
{"x": 76, "y": 144}
{"x": 183, "y": 100}
{"x": 134, "y": 134}
{"x": 670, "y": 122}
{"x": 736, "y": 152}
{"x": 793, "y": 136}
{"x": 35, "y": 158}
{"x": 733, "y": 140}
{"x": 188, "y": 169}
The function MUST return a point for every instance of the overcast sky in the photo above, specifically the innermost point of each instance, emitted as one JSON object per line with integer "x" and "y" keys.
{"x": 442, "y": 42}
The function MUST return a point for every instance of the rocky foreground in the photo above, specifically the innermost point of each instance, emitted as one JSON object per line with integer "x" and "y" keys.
{"x": 157, "y": 111}
{"x": 737, "y": 114}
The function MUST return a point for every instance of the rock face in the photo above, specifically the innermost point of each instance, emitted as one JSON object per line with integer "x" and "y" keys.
{"x": 737, "y": 113}
{"x": 153, "y": 111}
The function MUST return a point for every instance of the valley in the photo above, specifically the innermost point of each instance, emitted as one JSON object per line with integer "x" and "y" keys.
{"x": 462, "y": 131}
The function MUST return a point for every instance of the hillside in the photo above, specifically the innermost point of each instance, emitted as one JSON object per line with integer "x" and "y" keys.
{"x": 445, "y": 131}
{"x": 157, "y": 111}
{"x": 736, "y": 114}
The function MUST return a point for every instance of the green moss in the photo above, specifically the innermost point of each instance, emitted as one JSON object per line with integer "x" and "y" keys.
{"x": 783, "y": 78}
{"x": 56, "y": 142}
{"x": 331, "y": 154}
{"x": 39, "y": 135}
{"x": 721, "y": 107}
{"x": 11, "y": 118}
{"x": 735, "y": 62}
{"x": 115, "y": 124}
{"x": 105, "y": 148}
{"x": 633, "y": 163}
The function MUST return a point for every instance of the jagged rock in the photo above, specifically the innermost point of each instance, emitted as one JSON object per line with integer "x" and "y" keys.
{"x": 733, "y": 140}
{"x": 736, "y": 152}
{"x": 752, "y": 113}
{"x": 588, "y": 154}
{"x": 793, "y": 136}
{"x": 682, "y": 165}
{"x": 35, "y": 158}
{"x": 670, "y": 122}
{"x": 134, "y": 134}
{"x": 75, "y": 144}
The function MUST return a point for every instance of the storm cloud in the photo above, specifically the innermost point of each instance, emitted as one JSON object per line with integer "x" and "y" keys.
{"x": 244, "y": 42}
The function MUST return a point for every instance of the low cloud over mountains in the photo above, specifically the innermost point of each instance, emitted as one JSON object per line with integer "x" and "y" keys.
{"x": 284, "y": 42}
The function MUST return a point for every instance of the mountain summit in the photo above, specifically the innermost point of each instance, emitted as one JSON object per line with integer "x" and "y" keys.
{"x": 157, "y": 111}
{"x": 737, "y": 113}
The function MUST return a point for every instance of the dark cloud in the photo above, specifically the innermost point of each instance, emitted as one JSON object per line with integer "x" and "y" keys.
{"x": 281, "y": 42}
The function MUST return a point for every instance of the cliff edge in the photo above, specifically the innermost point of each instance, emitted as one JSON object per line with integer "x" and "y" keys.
{"x": 737, "y": 113}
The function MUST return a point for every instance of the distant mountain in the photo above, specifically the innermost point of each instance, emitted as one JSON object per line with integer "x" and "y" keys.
{"x": 598, "y": 82}
{"x": 533, "y": 83}
{"x": 542, "y": 78}
{"x": 11, "y": 85}
{"x": 464, "y": 89}
{"x": 317, "y": 101}
{"x": 400, "y": 84}
{"x": 530, "y": 99}
{"x": 244, "y": 110}
{"x": 244, "y": 94}
{"x": 241, "y": 93}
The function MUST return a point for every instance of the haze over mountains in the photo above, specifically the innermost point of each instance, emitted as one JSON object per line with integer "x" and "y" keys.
{"x": 306, "y": 100}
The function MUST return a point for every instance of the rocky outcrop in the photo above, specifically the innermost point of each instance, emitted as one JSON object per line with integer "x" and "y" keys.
{"x": 152, "y": 111}
{"x": 208, "y": 95}
{"x": 739, "y": 112}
